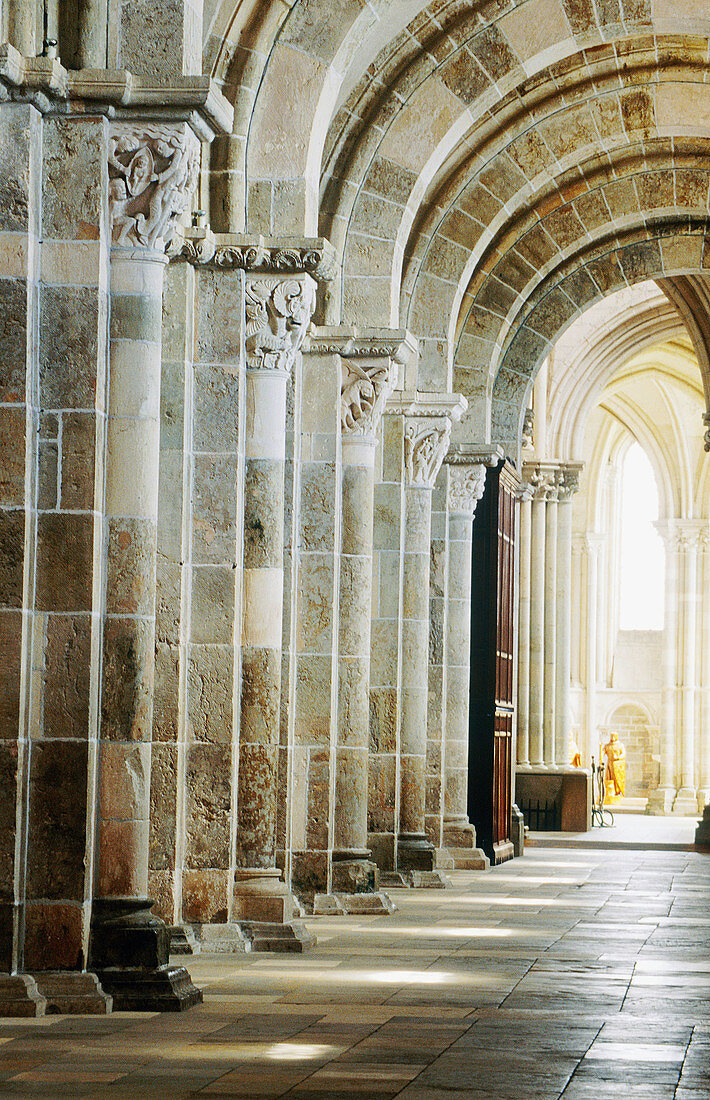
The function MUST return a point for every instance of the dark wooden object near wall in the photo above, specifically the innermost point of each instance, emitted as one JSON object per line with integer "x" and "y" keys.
{"x": 492, "y": 645}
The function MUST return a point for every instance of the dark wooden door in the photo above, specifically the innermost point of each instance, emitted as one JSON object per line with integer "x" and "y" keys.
{"x": 491, "y": 710}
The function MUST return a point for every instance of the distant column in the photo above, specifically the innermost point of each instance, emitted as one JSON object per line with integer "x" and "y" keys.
{"x": 563, "y": 707}
{"x": 524, "y": 581}
{"x": 661, "y": 800}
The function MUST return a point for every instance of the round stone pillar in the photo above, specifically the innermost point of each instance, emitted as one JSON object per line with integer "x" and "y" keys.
{"x": 569, "y": 484}
{"x": 277, "y": 312}
{"x": 152, "y": 170}
{"x": 426, "y": 440}
{"x": 550, "y": 630}
{"x": 467, "y": 480}
{"x": 661, "y": 800}
{"x": 366, "y": 384}
{"x": 690, "y": 536}
{"x": 537, "y": 621}
{"x": 524, "y": 582}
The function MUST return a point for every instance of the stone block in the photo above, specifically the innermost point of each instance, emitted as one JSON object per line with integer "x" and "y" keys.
{"x": 10, "y": 673}
{"x": 54, "y": 937}
{"x": 210, "y": 692}
{"x": 318, "y": 805}
{"x": 309, "y": 873}
{"x": 167, "y": 692}
{"x": 130, "y": 573}
{"x": 256, "y": 798}
{"x": 213, "y": 604}
{"x": 79, "y": 445}
{"x": 8, "y": 804}
{"x": 67, "y": 676}
{"x": 214, "y": 505}
{"x": 316, "y": 593}
{"x": 317, "y": 509}
{"x": 216, "y": 405}
{"x": 161, "y": 888}
{"x": 57, "y": 819}
{"x": 47, "y": 475}
{"x": 19, "y": 996}
{"x": 219, "y": 334}
{"x": 68, "y": 346}
{"x": 20, "y": 129}
{"x": 381, "y": 794}
{"x": 65, "y": 562}
{"x": 208, "y": 800}
{"x": 205, "y": 895}
{"x": 73, "y": 994}
{"x": 168, "y": 600}
{"x": 353, "y": 701}
{"x": 127, "y": 688}
{"x": 263, "y": 541}
{"x": 74, "y": 148}
{"x": 383, "y": 720}
{"x": 12, "y": 457}
{"x": 12, "y": 553}
{"x": 124, "y": 779}
{"x": 313, "y": 708}
{"x": 261, "y": 677}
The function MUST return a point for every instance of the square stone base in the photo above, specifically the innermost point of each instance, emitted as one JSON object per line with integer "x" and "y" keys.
{"x": 73, "y": 993}
{"x": 569, "y": 790}
{"x": 19, "y": 996}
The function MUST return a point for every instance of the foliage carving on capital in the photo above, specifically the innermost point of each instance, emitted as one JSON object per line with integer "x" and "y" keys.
{"x": 278, "y": 312}
{"x": 364, "y": 391}
{"x": 544, "y": 480}
{"x": 528, "y": 431}
{"x": 153, "y": 170}
{"x": 425, "y": 445}
{"x": 466, "y": 487}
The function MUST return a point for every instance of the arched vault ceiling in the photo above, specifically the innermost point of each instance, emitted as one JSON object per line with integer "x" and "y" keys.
{"x": 486, "y": 171}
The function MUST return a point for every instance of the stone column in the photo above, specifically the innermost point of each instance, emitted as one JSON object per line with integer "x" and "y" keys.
{"x": 524, "y": 585}
{"x": 370, "y": 370}
{"x": 426, "y": 440}
{"x": 278, "y": 312}
{"x": 661, "y": 800}
{"x": 467, "y": 479}
{"x": 593, "y": 545}
{"x": 704, "y": 731}
{"x": 541, "y": 478}
{"x": 569, "y": 485}
{"x": 691, "y": 535}
{"x": 152, "y": 172}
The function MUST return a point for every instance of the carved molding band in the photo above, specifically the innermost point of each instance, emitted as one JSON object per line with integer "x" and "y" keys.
{"x": 278, "y": 312}
{"x": 425, "y": 444}
{"x": 685, "y": 534}
{"x": 313, "y": 256}
{"x": 466, "y": 487}
{"x": 153, "y": 171}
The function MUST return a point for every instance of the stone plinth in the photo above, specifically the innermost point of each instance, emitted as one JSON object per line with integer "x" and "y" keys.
{"x": 19, "y": 996}
{"x": 702, "y": 833}
{"x": 570, "y": 790}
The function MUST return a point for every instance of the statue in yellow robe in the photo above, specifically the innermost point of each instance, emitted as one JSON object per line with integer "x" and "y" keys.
{"x": 614, "y": 756}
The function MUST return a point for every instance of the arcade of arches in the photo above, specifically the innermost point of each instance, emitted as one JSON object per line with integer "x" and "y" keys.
{"x": 280, "y": 282}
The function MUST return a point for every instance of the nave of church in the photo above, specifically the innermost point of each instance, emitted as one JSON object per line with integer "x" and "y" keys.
{"x": 354, "y": 517}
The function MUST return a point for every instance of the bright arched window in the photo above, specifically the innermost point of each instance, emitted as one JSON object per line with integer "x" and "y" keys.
{"x": 642, "y": 557}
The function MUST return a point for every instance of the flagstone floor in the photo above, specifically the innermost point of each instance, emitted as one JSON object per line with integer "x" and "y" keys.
{"x": 567, "y": 973}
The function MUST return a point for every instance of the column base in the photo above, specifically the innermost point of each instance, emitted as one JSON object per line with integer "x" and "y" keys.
{"x": 353, "y": 872}
{"x": 415, "y": 880}
{"x": 129, "y": 953}
{"x": 470, "y": 859}
{"x": 261, "y": 895}
{"x": 660, "y": 801}
{"x": 685, "y": 803}
{"x": 459, "y": 833}
{"x": 71, "y": 992}
{"x": 182, "y": 940}
{"x": 415, "y": 853}
{"x": 340, "y": 905}
{"x": 703, "y": 798}
{"x": 266, "y": 936}
{"x": 165, "y": 989}
{"x": 20, "y": 997}
{"x": 702, "y": 833}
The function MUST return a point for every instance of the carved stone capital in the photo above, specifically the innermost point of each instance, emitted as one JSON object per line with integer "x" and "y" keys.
{"x": 426, "y": 441}
{"x": 427, "y": 430}
{"x": 543, "y": 479}
{"x": 278, "y": 313}
{"x": 706, "y": 437}
{"x": 683, "y": 535}
{"x": 466, "y": 487}
{"x": 153, "y": 169}
{"x": 285, "y": 255}
{"x": 569, "y": 484}
{"x": 369, "y": 361}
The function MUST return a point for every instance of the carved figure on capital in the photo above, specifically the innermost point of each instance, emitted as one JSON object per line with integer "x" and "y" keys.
{"x": 153, "y": 171}
{"x": 466, "y": 487}
{"x": 424, "y": 448}
{"x": 365, "y": 388}
{"x": 544, "y": 481}
{"x": 278, "y": 312}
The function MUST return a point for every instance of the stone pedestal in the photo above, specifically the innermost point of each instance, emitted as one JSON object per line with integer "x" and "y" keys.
{"x": 19, "y": 996}
{"x": 702, "y": 833}
{"x": 72, "y": 992}
{"x": 130, "y": 950}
